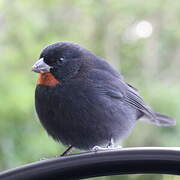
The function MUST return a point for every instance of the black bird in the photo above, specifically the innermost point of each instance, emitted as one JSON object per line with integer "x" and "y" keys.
{"x": 83, "y": 102}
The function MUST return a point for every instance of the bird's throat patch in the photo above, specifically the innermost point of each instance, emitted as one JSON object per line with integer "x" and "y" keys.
{"x": 47, "y": 79}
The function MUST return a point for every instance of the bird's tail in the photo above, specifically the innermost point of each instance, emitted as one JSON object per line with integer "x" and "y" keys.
{"x": 160, "y": 120}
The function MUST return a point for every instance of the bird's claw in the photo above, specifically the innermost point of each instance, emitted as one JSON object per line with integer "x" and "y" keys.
{"x": 98, "y": 148}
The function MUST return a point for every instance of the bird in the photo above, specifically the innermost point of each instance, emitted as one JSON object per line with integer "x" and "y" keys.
{"x": 83, "y": 102}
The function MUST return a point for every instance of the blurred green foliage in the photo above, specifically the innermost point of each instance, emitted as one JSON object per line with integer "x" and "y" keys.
{"x": 105, "y": 27}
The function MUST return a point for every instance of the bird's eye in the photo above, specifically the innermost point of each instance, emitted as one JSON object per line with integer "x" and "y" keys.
{"x": 61, "y": 59}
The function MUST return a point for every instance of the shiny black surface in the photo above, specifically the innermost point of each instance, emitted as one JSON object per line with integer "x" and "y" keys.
{"x": 102, "y": 163}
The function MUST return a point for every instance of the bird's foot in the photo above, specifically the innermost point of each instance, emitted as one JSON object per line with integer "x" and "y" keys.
{"x": 98, "y": 148}
{"x": 110, "y": 146}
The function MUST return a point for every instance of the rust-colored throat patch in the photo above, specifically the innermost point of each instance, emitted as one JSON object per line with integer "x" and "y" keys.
{"x": 47, "y": 79}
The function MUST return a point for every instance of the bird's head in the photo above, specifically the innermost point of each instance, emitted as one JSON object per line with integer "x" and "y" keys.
{"x": 61, "y": 60}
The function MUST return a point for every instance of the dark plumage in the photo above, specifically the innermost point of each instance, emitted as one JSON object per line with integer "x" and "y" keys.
{"x": 86, "y": 102}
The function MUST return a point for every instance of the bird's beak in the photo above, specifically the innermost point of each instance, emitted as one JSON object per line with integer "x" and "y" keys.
{"x": 40, "y": 66}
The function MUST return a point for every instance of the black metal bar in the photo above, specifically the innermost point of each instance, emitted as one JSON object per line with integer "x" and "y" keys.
{"x": 103, "y": 163}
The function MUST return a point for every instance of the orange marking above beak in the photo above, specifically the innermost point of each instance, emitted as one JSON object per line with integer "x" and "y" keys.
{"x": 47, "y": 79}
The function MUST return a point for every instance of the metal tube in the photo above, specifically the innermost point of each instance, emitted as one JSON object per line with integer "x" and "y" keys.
{"x": 103, "y": 163}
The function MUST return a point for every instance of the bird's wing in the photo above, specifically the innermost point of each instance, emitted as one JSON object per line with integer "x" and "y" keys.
{"x": 132, "y": 98}
{"x": 117, "y": 88}
{"x": 133, "y": 88}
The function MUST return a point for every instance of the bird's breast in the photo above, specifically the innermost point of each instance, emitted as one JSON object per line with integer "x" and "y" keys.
{"x": 47, "y": 79}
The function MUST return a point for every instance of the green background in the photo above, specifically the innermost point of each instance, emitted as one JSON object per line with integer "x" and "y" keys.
{"x": 105, "y": 27}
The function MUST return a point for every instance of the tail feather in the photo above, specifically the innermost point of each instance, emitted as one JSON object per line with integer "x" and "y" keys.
{"x": 160, "y": 120}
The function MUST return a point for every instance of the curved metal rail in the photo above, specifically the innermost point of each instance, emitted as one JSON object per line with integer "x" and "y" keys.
{"x": 102, "y": 163}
